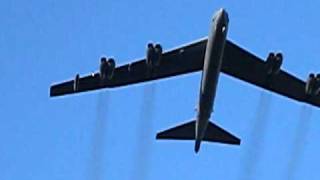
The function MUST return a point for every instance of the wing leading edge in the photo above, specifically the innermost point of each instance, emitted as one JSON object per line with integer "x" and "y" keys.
{"x": 237, "y": 63}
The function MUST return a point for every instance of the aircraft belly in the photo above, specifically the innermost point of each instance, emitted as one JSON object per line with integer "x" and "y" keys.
{"x": 210, "y": 74}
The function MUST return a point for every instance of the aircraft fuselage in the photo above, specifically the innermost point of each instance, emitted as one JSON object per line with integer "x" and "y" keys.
{"x": 210, "y": 74}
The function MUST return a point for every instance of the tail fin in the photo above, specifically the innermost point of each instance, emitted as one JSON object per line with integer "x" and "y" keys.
{"x": 186, "y": 131}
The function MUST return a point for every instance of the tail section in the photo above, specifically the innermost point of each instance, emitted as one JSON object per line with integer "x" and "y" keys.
{"x": 215, "y": 133}
{"x": 197, "y": 146}
{"x": 182, "y": 132}
{"x": 186, "y": 131}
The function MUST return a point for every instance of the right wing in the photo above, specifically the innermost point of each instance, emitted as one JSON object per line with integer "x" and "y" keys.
{"x": 185, "y": 59}
{"x": 247, "y": 67}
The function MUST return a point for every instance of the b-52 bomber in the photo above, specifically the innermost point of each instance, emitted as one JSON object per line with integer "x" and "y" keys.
{"x": 212, "y": 56}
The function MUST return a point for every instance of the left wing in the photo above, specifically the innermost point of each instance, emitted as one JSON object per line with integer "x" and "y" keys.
{"x": 185, "y": 59}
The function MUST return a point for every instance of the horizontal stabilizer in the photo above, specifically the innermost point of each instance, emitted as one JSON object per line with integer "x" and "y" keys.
{"x": 215, "y": 133}
{"x": 182, "y": 132}
{"x": 187, "y": 132}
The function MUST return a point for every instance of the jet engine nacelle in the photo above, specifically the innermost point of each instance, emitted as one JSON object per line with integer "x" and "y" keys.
{"x": 153, "y": 55}
{"x": 107, "y": 68}
{"x": 313, "y": 85}
{"x": 274, "y": 63}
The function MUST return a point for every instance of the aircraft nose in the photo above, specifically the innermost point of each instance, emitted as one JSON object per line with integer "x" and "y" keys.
{"x": 224, "y": 15}
{"x": 221, "y": 16}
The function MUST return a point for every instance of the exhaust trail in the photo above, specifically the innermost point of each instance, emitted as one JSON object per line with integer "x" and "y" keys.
{"x": 96, "y": 163}
{"x": 299, "y": 141}
{"x": 145, "y": 136}
{"x": 257, "y": 135}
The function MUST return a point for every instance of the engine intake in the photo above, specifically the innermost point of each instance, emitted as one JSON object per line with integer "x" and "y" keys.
{"x": 158, "y": 54}
{"x": 273, "y": 63}
{"x": 107, "y": 68}
{"x": 153, "y": 55}
{"x": 313, "y": 85}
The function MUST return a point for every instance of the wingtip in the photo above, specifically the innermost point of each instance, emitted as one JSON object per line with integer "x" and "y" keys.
{"x": 51, "y": 92}
{"x": 159, "y": 136}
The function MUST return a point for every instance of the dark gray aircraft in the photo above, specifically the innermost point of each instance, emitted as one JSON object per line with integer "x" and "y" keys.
{"x": 212, "y": 55}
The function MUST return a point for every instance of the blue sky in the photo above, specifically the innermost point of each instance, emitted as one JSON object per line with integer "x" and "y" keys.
{"x": 106, "y": 135}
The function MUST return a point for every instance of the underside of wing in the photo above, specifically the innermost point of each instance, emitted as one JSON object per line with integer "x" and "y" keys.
{"x": 189, "y": 58}
{"x": 181, "y": 60}
{"x": 245, "y": 66}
